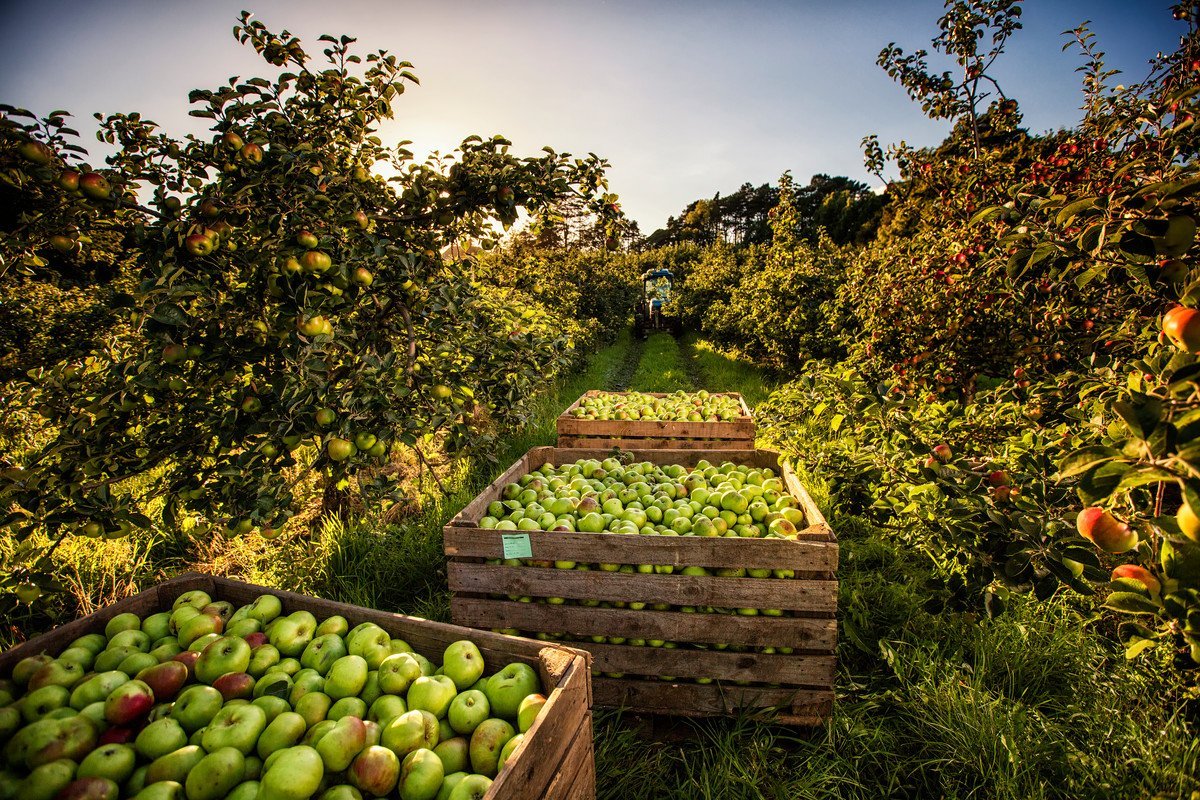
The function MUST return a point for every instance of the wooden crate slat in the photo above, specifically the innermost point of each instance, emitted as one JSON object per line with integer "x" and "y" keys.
{"x": 668, "y": 434}
{"x": 810, "y": 635}
{"x": 693, "y": 699}
{"x": 618, "y": 548}
{"x": 678, "y": 590}
{"x": 794, "y": 670}
{"x": 658, "y": 443}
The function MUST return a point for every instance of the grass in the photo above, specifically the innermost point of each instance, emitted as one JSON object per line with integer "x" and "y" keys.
{"x": 1034, "y": 704}
{"x": 662, "y": 367}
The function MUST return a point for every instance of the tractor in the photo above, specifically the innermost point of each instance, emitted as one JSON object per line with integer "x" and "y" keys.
{"x": 651, "y": 313}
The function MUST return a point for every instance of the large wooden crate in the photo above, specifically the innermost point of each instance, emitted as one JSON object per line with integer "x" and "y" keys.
{"x": 554, "y": 760}
{"x": 795, "y": 688}
{"x": 649, "y": 434}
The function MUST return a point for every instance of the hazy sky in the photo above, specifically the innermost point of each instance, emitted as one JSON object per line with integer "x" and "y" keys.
{"x": 684, "y": 98}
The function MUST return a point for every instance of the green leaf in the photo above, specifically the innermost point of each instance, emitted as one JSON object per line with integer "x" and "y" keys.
{"x": 1130, "y": 603}
{"x": 1137, "y": 647}
{"x": 1085, "y": 459}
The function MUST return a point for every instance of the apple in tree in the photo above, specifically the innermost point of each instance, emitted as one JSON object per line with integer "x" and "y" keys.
{"x": 1182, "y": 327}
{"x": 1105, "y": 531}
{"x": 94, "y": 186}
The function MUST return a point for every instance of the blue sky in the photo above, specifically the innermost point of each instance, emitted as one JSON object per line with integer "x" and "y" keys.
{"x": 685, "y": 98}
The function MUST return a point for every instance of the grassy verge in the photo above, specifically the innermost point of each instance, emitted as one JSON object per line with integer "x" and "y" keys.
{"x": 662, "y": 367}
{"x": 717, "y": 371}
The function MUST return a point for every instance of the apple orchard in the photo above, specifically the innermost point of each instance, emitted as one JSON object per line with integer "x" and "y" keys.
{"x": 253, "y": 354}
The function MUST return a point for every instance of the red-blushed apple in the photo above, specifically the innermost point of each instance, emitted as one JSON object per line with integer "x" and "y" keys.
{"x": 188, "y": 659}
{"x": 375, "y": 771}
{"x": 255, "y": 639}
{"x": 128, "y": 702}
{"x": 118, "y": 734}
{"x": 235, "y": 686}
{"x": 165, "y": 679}
{"x": 94, "y": 186}
{"x": 26, "y": 667}
{"x": 1139, "y": 574}
{"x": 943, "y": 453}
{"x": 1182, "y": 327}
{"x": 198, "y": 626}
{"x": 51, "y": 739}
{"x": 1105, "y": 531}
{"x": 342, "y": 743}
{"x": 89, "y": 789}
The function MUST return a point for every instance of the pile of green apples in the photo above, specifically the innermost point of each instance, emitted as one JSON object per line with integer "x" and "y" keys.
{"x": 678, "y": 407}
{"x": 642, "y": 498}
{"x": 206, "y": 701}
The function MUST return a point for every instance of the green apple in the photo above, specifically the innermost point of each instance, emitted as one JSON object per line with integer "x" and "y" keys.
{"x": 386, "y": 708}
{"x": 78, "y": 655}
{"x": 467, "y": 711}
{"x": 113, "y": 761}
{"x": 295, "y": 774}
{"x": 463, "y": 663}
{"x": 44, "y": 782}
{"x": 199, "y": 626}
{"x": 305, "y": 682}
{"x": 323, "y": 651}
{"x": 335, "y": 625}
{"x": 507, "y": 751}
{"x": 410, "y": 731}
{"x": 265, "y": 608}
{"x": 508, "y": 687}
{"x": 26, "y": 667}
{"x": 96, "y": 688}
{"x": 291, "y": 634}
{"x": 375, "y": 771}
{"x": 315, "y": 733}
{"x": 58, "y": 673}
{"x": 157, "y": 626}
{"x": 236, "y": 726}
{"x": 274, "y": 706}
{"x": 247, "y": 790}
{"x": 432, "y": 693}
{"x": 286, "y": 730}
{"x": 273, "y": 683}
{"x": 397, "y": 672}
{"x": 486, "y": 743}
{"x": 347, "y": 707}
{"x": 472, "y": 787}
{"x": 136, "y": 662}
{"x": 225, "y": 655}
{"x": 449, "y": 782}
{"x": 262, "y": 658}
{"x": 160, "y": 737}
{"x": 346, "y": 677}
{"x": 163, "y": 790}
{"x": 242, "y": 627}
{"x": 96, "y": 642}
{"x": 371, "y": 644}
{"x": 313, "y": 707}
{"x": 122, "y": 622}
{"x": 49, "y": 740}
{"x": 343, "y": 792}
{"x": 455, "y": 753}
{"x": 527, "y": 712}
{"x": 421, "y": 775}
{"x": 342, "y": 743}
{"x": 174, "y": 766}
{"x": 196, "y": 706}
{"x": 371, "y": 691}
{"x": 216, "y": 774}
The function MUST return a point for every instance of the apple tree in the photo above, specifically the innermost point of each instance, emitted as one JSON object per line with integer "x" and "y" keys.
{"x": 292, "y": 312}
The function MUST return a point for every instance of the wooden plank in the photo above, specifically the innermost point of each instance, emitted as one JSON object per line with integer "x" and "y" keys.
{"x": 682, "y": 429}
{"x": 477, "y": 508}
{"x": 547, "y": 743}
{"x": 793, "y": 670}
{"x": 677, "y": 551}
{"x": 691, "y": 699}
{"x": 648, "y": 443}
{"x": 809, "y": 635}
{"x": 678, "y": 590}
{"x": 576, "y": 776}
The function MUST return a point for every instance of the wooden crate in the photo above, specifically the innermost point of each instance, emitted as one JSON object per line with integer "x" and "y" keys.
{"x": 795, "y": 688}
{"x": 649, "y": 434}
{"x": 554, "y": 760}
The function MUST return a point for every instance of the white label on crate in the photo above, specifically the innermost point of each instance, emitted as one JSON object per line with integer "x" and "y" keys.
{"x": 516, "y": 545}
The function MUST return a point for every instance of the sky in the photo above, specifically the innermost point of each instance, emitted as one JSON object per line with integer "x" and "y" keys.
{"x": 685, "y": 98}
